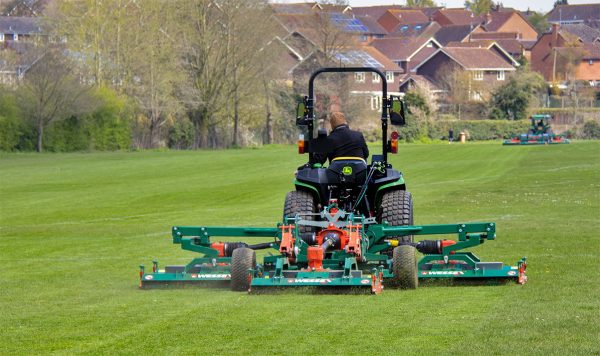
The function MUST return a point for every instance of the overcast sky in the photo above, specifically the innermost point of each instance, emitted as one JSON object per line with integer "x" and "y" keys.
{"x": 537, "y": 5}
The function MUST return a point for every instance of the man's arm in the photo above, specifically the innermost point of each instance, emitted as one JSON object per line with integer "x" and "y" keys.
{"x": 364, "y": 147}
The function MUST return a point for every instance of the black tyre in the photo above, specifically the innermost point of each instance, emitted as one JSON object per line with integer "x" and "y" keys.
{"x": 300, "y": 202}
{"x": 404, "y": 266}
{"x": 397, "y": 209}
{"x": 242, "y": 260}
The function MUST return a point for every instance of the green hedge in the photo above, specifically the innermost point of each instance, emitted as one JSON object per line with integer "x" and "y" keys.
{"x": 475, "y": 129}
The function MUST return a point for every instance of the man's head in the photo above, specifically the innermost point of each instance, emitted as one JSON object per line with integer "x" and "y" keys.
{"x": 336, "y": 119}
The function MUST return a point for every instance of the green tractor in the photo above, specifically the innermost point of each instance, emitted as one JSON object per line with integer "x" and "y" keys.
{"x": 349, "y": 225}
{"x": 375, "y": 190}
{"x": 540, "y": 133}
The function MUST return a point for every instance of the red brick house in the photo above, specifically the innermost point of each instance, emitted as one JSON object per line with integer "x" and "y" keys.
{"x": 394, "y": 18}
{"x": 568, "y": 52}
{"x": 484, "y": 68}
{"x": 587, "y": 14}
{"x": 508, "y": 20}
{"x": 407, "y": 52}
{"x": 446, "y": 17}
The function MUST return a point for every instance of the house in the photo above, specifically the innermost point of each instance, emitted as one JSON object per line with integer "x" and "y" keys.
{"x": 425, "y": 29}
{"x": 446, "y": 17}
{"x": 411, "y": 81}
{"x": 363, "y": 85}
{"x": 509, "y": 41}
{"x": 490, "y": 45}
{"x": 285, "y": 56}
{"x": 407, "y": 52}
{"x": 508, "y": 20}
{"x": 391, "y": 19}
{"x": 484, "y": 69}
{"x": 15, "y": 29}
{"x": 454, "y": 33}
{"x": 318, "y": 23}
{"x": 16, "y": 42}
{"x": 568, "y": 52}
{"x": 375, "y": 12}
{"x": 588, "y": 14}
{"x": 368, "y": 85}
{"x": 374, "y": 29}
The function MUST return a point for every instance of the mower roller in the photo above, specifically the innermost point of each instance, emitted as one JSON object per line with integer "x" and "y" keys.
{"x": 349, "y": 225}
{"x": 540, "y": 133}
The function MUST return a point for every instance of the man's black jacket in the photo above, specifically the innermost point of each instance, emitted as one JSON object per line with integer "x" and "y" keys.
{"x": 343, "y": 142}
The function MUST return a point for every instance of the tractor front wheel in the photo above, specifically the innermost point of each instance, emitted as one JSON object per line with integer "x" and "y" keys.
{"x": 404, "y": 266}
{"x": 300, "y": 202}
{"x": 242, "y": 259}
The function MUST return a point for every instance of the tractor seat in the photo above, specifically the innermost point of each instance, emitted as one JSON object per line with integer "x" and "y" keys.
{"x": 353, "y": 169}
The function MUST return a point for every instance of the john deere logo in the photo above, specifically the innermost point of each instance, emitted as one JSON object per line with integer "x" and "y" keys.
{"x": 347, "y": 170}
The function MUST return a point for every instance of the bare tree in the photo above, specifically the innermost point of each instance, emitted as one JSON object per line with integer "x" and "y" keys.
{"x": 248, "y": 30}
{"x": 50, "y": 92}
{"x": 152, "y": 64}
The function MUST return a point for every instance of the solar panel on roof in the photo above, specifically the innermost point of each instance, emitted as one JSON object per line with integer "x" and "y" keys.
{"x": 360, "y": 58}
{"x": 347, "y": 23}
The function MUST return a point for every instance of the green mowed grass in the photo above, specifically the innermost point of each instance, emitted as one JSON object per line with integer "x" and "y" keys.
{"x": 75, "y": 227}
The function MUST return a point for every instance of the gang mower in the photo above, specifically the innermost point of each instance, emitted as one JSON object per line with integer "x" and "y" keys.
{"x": 540, "y": 133}
{"x": 348, "y": 225}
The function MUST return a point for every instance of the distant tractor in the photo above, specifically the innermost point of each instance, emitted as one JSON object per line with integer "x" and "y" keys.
{"x": 540, "y": 133}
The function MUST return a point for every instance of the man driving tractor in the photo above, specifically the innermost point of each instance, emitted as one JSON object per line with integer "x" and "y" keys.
{"x": 342, "y": 141}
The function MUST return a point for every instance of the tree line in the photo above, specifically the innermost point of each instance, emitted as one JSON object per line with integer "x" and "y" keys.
{"x": 115, "y": 74}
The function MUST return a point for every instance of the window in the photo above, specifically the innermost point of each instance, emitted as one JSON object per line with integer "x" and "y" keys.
{"x": 1, "y": 37}
{"x": 376, "y": 78}
{"x": 478, "y": 75}
{"x": 500, "y": 75}
{"x": 476, "y": 96}
{"x": 389, "y": 76}
{"x": 364, "y": 38}
{"x": 15, "y": 37}
{"x": 375, "y": 103}
{"x": 429, "y": 44}
{"x": 359, "y": 77}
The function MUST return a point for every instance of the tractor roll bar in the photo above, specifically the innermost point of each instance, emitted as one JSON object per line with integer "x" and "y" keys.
{"x": 384, "y": 104}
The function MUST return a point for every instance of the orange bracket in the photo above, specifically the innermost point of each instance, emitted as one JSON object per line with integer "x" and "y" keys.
{"x": 287, "y": 240}
{"x": 354, "y": 239}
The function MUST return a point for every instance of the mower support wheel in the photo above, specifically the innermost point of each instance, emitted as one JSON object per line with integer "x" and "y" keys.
{"x": 404, "y": 265}
{"x": 242, "y": 260}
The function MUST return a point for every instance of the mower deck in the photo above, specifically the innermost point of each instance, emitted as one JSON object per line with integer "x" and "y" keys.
{"x": 360, "y": 260}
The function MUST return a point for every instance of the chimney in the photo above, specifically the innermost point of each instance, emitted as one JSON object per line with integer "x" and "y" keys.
{"x": 555, "y": 27}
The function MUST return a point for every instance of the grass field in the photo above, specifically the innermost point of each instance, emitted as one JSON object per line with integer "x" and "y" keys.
{"x": 75, "y": 227}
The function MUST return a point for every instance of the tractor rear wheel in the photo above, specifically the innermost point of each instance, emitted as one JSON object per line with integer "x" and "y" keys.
{"x": 242, "y": 260}
{"x": 397, "y": 209}
{"x": 300, "y": 202}
{"x": 404, "y": 266}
